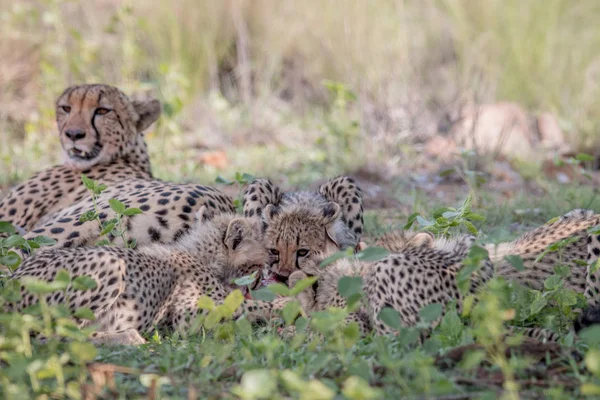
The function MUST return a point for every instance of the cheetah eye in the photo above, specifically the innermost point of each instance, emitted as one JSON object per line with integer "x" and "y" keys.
{"x": 102, "y": 111}
{"x": 66, "y": 109}
{"x": 302, "y": 252}
{"x": 273, "y": 252}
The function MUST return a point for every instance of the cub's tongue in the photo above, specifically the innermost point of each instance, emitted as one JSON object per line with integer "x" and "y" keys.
{"x": 269, "y": 279}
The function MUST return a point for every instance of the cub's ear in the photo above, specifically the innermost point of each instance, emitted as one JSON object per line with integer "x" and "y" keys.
{"x": 148, "y": 111}
{"x": 331, "y": 212}
{"x": 422, "y": 239}
{"x": 270, "y": 212}
{"x": 235, "y": 233}
{"x": 203, "y": 215}
{"x": 329, "y": 218}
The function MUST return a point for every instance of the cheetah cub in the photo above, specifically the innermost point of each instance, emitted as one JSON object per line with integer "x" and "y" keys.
{"x": 157, "y": 284}
{"x": 303, "y": 228}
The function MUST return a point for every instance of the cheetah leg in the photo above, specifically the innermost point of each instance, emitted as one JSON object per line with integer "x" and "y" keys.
{"x": 258, "y": 194}
{"x": 127, "y": 337}
{"x": 344, "y": 191}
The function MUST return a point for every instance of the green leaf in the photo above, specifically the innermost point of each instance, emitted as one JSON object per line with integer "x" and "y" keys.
{"x": 590, "y": 335}
{"x": 470, "y": 227}
{"x": 562, "y": 270}
{"x": 537, "y": 305}
{"x": 63, "y": 276}
{"x": 84, "y": 313}
{"x": 594, "y": 267}
{"x": 411, "y": 220}
{"x": 38, "y": 286}
{"x": 6, "y": 227}
{"x": 423, "y": 222}
{"x": 107, "y": 227}
{"x": 247, "y": 178}
{"x": 88, "y": 216}
{"x": 14, "y": 241}
{"x": 431, "y": 312}
{"x": 446, "y": 172}
{"x": 83, "y": 351}
{"x": 246, "y": 280}
{"x": 44, "y": 241}
{"x": 100, "y": 188}
{"x": 132, "y": 211}
{"x": 87, "y": 182}
{"x": 117, "y": 206}
{"x": 206, "y": 303}
{"x": 584, "y": 157}
{"x": 472, "y": 359}
{"x": 594, "y": 230}
{"x": 223, "y": 181}
{"x": 256, "y": 384}
{"x": 84, "y": 282}
{"x": 516, "y": 261}
{"x": 279, "y": 288}
{"x": 592, "y": 361}
{"x": 12, "y": 260}
{"x": 336, "y": 256}
{"x": 263, "y": 294}
{"x": 372, "y": 254}
{"x": 357, "y": 388}
{"x": 390, "y": 317}
{"x": 303, "y": 284}
{"x": 567, "y": 298}
{"x": 103, "y": 242}
{"x": 290, "y": 311}
{"x": 349, "y": 285}
{"x": 553, "y": 282}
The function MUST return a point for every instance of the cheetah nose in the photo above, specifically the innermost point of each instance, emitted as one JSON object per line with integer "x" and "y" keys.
{"x": 75, "y": 134}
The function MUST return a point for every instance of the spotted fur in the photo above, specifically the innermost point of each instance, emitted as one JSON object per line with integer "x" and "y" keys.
{"x": 101, "y": 133}
{"x": 157, "y": 284}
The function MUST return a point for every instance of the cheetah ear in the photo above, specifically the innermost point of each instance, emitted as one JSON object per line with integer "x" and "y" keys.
{"x": 270, "y": 211}
{"x": 148, "y": 111}
{"x": 235, "y": 233}
{"x": 202, "y": 215}
{"x": 422, "y": 239}
{"x": 330, "y": 214}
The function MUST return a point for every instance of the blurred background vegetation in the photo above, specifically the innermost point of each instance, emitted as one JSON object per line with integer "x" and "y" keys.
{"x": 301, "y": 89}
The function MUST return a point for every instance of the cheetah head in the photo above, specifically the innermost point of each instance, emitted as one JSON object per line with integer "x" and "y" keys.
{"x": 300, "y": 237}
{"x": 246, "y": 252}
{"x": 98, "y": 124}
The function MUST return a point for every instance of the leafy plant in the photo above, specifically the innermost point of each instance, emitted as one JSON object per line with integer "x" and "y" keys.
{"x": 10, "y": 258}
{"x": 447, "y": 218}
{"x": 114, "y": 226}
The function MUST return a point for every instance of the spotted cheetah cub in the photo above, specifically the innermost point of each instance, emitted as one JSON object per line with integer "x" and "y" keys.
{"x": 582, "y": 247}
{"x": 302, "y": 228}
{"x": 157, "y": 284}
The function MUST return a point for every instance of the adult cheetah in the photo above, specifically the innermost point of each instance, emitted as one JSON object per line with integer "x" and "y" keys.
{"x": 157, "y": 284}
{"x": 101, "y": 133}
{"x": 302, "y": 228}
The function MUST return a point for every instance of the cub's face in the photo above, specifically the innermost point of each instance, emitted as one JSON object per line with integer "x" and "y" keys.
{"x": 298, "y": 238}
{"x": 98, "y": 123}
{"x": 246, "y": 250}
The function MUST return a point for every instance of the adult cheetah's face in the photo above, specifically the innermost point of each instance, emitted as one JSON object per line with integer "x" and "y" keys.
{"x": 299, "y": 237}
{"x": 98, "y": 123}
